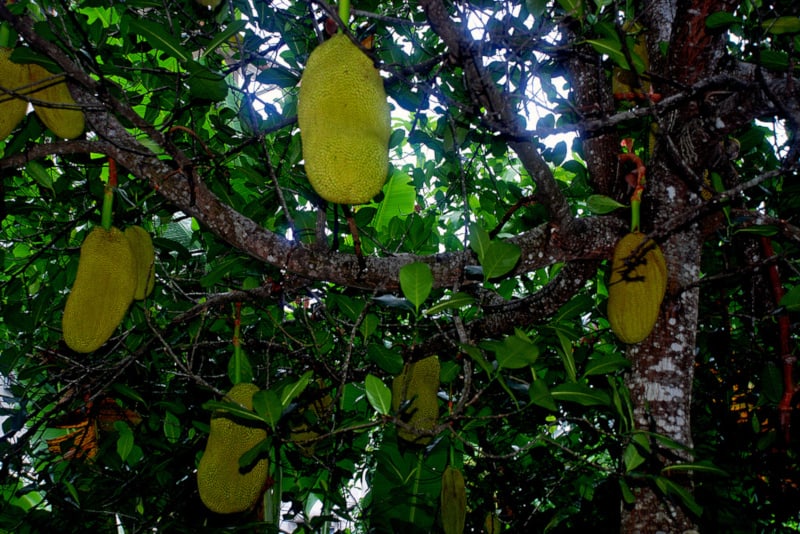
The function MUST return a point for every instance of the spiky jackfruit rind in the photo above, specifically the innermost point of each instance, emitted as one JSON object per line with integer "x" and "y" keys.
{"x": 225, "y": 488}
{"x": 453, "y": 501}
{"x": 48, "y": 92}
{"x": 13, "y": 76}
{"x": 102, "y": 291}
{"x": 415, "y": 390}
{"x": 636, "y": 288}
{"x": 144, "y": 257}
{"x": 305, "y": 434}
{"x": 344, "y": 122}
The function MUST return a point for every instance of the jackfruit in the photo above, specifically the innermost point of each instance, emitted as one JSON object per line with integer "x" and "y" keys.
{"x": 13, "y": 76}
{"x": 344, "y": 123}
{"x": 305, "y": 434}
{"x": 417, "y": 385}
{"x": 224, "y": 487}
{"x": 144, "y": 258}
{"x": 636, "y": 288}
{"x": 54, "y": 104}
{"x": 102, "y": 291}
{"x": 491, "y": 524}
{"x": 453, "y": 501}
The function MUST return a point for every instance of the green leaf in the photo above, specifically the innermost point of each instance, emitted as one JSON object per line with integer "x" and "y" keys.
{"x": 566, "y": 354}
{"x": 278, "y": 76}
{"x": 291, "y": 391}
{"x": 387, "y": 359}
{"x": 399, "y": 199}
{"x": 378, "y": 394}
{"x": 791, "y": 299}
{"x": 267, "y": 404}
{"x": 459, "y": 300}
{"x": 605, "y": 364}
{"x": 721, "y": 19}
{"x": 601, "y": 204}
{"x": 476, "y": 354}
{"x": 172, "y": 427}
{"x": 479, "y": 241}
{"x": 573, "y": 8}
{"x": 765, "y": 230}
{"x": 369, "y": 325}
{"x": 205, "y": 84}
{"x": 159, "y": 37}
{"x": 670, "y": 488}
{"x": 696, "y": 467}
{"x": 632, "y": 458}
{"x": 416, "y": 282}
{"x": 581, "y": 394}
{"x": 40, "y": 175}
{"x": 781, "y": 25}
{"x": 627, "y": 494}
{"x": 127, "y": 391}
{"x": 124, "y": 439}
{"x": 500, "y": 258}
{"x": 234, "y": 409}
{"x": 249, "y": 458}
{"x": 222, "y": 37}
{"x": 771, "y": 383}
{"x": 540, "y": 395}
{"x": 611, "y": 48}
{"x": 514, "y": 352}
{"x": 239, "y": 368}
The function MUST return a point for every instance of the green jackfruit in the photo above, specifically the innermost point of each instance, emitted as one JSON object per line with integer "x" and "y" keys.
{"x": 344, "y": 123}
{"x": 417, "y": 384}
{"x": 144, "y": 257}
{"x": 305, "y": 433}
{"x": 636, "y": 288}
{"x": 12, "y": 77}
{"x": 453, "y": 501}
{"x": 224, "y": 487}
{"x": 55, "y": 108}
{"x": 102, "y": 291}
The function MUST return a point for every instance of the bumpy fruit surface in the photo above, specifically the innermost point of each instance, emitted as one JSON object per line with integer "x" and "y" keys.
{"x": 47, "y": 88}
{"x": 12, "y": 77}
{"x": 144, "y": 258}
{"x": 344, "y": 123}
{"x": 453, "y": 501}
{"x": 102, "y": 291}
{"x": 225, "y": 488}
{"x": 636, "y": 288}
{"x": 417, "y": 384}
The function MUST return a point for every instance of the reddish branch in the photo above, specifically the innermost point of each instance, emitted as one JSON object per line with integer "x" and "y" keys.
{"x": 788, "y": 359}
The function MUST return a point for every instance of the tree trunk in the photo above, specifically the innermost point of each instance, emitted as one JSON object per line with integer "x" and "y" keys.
{"x": 660, "y": 383}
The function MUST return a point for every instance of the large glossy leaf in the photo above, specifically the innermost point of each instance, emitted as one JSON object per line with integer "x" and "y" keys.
{"x": 378, "y": 394}
{"x": 416, "y": 282}
{"x": 158, "y": 36}
{"x": 399, "y": 199}
{"x": 580, "y": 393}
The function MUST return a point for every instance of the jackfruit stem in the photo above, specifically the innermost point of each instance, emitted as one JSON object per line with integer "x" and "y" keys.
{"x": 6, "y": 40}
{"x": 635, "y": 205}
{"x": 273, "y": 496}
{"x": 108, "y": 196}
{"x": 237, "y": 345}
{"x": 344, "y": 13}
{"x": 108, "y": 208}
